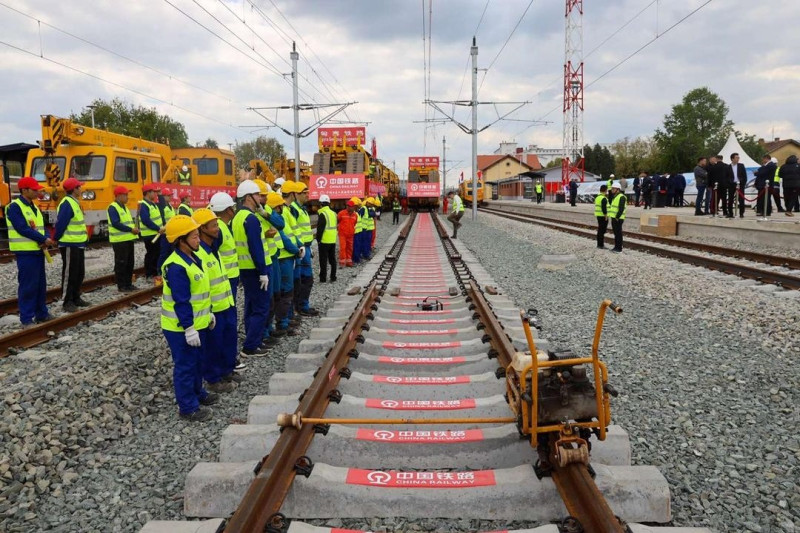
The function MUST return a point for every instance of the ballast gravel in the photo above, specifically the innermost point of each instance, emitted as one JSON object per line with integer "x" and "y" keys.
{"x": 706, "y": 367}
{"x": 90, "y": 438}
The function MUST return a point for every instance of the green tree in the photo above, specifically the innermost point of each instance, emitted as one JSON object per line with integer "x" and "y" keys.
{"x": 557, "y": 162}
{"x": 632, "y": 156}
{"x": 598, "y": 160}
{"x": 267, "y": 149}
{"x": 750, "y": 145}
{"x": 210, "y": 143}
{"x": 119, "y": 116}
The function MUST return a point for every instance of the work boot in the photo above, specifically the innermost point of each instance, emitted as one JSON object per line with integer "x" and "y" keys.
{"x": 287, "y": 331}
{"x": 82, "y": 303}
{"x": 269, "y": 342}
{"x": 239, "y": 366}
{"x": 333, "y": 279}
{"x": 48, "y": 318}
{"x": 278, "y": 333}
{"x": 309, "y": 312}
{"x": 70, "y": 307}
{"x": 201, "y": 415}
{"x": 261, "y": 351}
{"x": 221, "y": 386}
{"x": 234, "y": 377}
{"x": 210, "y": 399}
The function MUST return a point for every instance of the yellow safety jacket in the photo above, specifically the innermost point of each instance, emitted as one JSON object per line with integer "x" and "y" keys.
{"x": 330, "y": 231}
{"x": 155, "y": 216}
{"x": 185, "y": 179}
{"x": 200, "y": 300}
{"x": 240, "y": 239}
{"x": 18, "y": 243}
{"x": 303, "y": 230}
{"x": 615, "y": 205}
{"x": 219, "y": 287}
{"x": 290, "y": 230}
{"x": 125, "y": 217}
{"x": 359, "y": 227}
{"x": 368, "y": 222}
{"x": 598, "y": 205}
{"x": 76, "y": 229}
{"x": 168, "y": 213}
{"x": 227, "y": 251}
{"x": 185, "y": 209}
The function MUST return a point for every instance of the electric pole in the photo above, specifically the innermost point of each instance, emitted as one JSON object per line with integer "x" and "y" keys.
{"x": 474, "y": 53}
{"x": 444, "y": 165}
{"x": 572, "y": 165}
{"x": 296, "y": 109}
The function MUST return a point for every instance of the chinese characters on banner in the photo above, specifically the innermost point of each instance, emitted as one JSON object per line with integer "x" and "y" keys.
{"x": 337, "y": 186}
{"x": 429, "y": 162}
{"x": 200, "y": 196}
{"x": 423, "y": 190}
{"x": 375, "y": 188}
{"x": 429, "y": 480}
{"x": 353, "y": 136}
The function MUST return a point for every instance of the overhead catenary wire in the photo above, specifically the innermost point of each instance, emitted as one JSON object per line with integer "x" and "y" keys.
{"x": 510, "y": 35}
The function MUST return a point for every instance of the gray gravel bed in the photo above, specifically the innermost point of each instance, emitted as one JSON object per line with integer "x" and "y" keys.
{"x": 706, "y": 368}
{"x": 762, "y": 248}
{"x": 90, "y": 438}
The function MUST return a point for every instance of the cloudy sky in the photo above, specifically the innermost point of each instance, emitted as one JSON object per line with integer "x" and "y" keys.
{"x": 204, "y": 62}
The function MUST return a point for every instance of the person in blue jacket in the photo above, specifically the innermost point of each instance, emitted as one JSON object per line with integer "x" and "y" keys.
{"x": 72, "y": 236}
{"x": 151, "y": 223}
{"x": 26, "y": 239}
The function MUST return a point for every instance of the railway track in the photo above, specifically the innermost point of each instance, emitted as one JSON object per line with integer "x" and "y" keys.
{"x": 6, "y": 256}
{"x": 764, "y": 268}
{"x": 394, "y": 407}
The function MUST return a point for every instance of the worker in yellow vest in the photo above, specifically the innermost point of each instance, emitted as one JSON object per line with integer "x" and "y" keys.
{"x": 72, "y": 236}
{"x": 122, "y": 234}
{"x": 601, "y": 213}
{"x": 293, "y": 249}
{"x": 304, "y": 272}
{"x": 326, "y": 238}
{"x": 167, "y": 212}
{"x": 359, "y": 228}
{"x": 26, "y": 240}
{"x": 186, "y": 317}
{"x": 151, "y": 223}
{"x": 185, "y": 207}
{"x": 617, "y": 214}
{"x": 540, "y": 192}
{"x": 219, "y": 359}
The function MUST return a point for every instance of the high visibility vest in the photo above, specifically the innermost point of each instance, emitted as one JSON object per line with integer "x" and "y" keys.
{"x": 227, "y": 251}
{"x": 168, "y": 213}
{"x": 330, "y": 231}
{"x": 35, "y": 220}
{"x": 458, "y": 205}
{"x": 290, "y": 230}
{"x": 277, "y": 239}
{"x": 125, "y": 218}
{"x": 155, "y": 216}
{"x": 76, "y": 229}
{"x": 395, "y": 206}
{"x": 304, "y": 232}
{"x": 219, "y": 287}
{"x": 200, "y": 296}
{"x": 776, "y": 181}
{"x": 367, "y": 222}
{"x": 184, "y": 209}
{"x": 615, "y": 205}
{"x": 185, "y": 178}
{"x": 598, "y": 205}
{"x": 269, "y": 242}
{"x": 240, "y": 240}
{"x": 538, "y": 188}
{"x": 359, "y": 227}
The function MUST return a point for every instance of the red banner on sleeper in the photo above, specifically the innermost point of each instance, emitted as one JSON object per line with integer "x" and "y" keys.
{"x": 420, "y": 405}
{"x": 420, "y": 480}
{"x": 431, "y": 322}
{"x": 421, "y": 360}
{"x": 423, "y": 190}
{"x": 421, "y": 345}
{"x": 421, "y": 380}
{"x": 419, "y": 437}
{"x": 337, "y": 186}
{"x": 422, "y": 331}
{"x": 353, "y": 136}
{"x": 423, "y": 162}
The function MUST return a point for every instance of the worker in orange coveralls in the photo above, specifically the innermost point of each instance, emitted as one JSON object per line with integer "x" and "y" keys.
{"x": 346, "y": 225}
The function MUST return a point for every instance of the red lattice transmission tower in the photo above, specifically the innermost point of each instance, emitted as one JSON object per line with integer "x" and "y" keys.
{"x": 572, "y": 165}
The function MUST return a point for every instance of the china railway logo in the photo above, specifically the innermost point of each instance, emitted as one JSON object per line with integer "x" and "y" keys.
{"x": 379, "y": 478}
{"x": 414, "y": 187}
{"x": 394, "y": 379}
{"x": 384, "y": 435}
{"x": 321, "y": 182}
{"x": 389, "y": 404}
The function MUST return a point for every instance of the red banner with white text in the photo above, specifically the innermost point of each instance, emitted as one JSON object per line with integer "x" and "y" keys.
{"x": 353, "y": 136}
{"x": 337, "y": 186}
{"x": 423, "y": 190}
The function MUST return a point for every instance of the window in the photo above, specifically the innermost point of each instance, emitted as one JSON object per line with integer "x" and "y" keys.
{"x": 155, "y": 171}
{"x": 87, "y": 167}
{"x": 207, "y": 166}
{"x": 125, "y": 170}
{"x": 229, "y": 167}
{"x": 13, "y": 168}
{"x": 39, "y": 164}
{"x": 143, "y": 169}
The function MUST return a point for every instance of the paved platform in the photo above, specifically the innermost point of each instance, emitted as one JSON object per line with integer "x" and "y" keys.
{"x": 779, "y": 231}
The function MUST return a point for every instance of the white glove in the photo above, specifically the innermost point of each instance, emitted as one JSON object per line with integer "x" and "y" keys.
{"x": 192, "y": 337}
{"x": 213, "y": 322}
{"x": 263, "y": 282}
{"x": 302, "y": 252}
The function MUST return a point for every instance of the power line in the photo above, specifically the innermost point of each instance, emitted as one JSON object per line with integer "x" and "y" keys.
{"x": 510, "y": 35}
{"x": 115, "y": 84}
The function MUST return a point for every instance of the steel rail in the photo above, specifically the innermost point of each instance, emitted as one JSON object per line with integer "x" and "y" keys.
{"x": 11, "y": 305}
{"x": 7, "y": 256}
{"x": 276, "y": 472}
{"x": 40, "y": 333}
{"x": 758, "y": 257}
{"x": 780, "y": 279}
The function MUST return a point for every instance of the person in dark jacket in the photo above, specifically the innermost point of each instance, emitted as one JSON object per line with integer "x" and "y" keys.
{"x": 637, "y": 189}
{"x": 573, "y": 192}
{"x": 717, "y": 171}
{"x": 670, "y": 190}
{"x": 647, "y": 191}
{"x": 764, "y": 177}
{"x": 790, "y": 178}
{"x": 680, "y": 187}
{"x": 737, "y": 177}
{"x": 701, "y": 182}
{"x": 661, "y": 190}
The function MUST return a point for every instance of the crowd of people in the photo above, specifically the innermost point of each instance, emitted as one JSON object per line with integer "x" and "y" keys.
{"x": 261, "y": 241}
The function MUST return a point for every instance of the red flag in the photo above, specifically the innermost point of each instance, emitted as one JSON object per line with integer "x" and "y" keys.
{"x": 374, "y": 149}
{"x": 461, "y": 179}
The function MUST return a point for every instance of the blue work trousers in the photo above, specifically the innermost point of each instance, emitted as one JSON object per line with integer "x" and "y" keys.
{"x": 256, "y": 309}
{"x": 357, "y": 240}
{"x": 284, "y": 306}
{"x": 701, "y": 202}
{"x": 221, "y": 349}
{"x": 164, "y": 251}
{"x": 32, "y": 290}
{"x": 187, "y": 374}
{"x": 275, "y": 291}
{"x": 234, "y": 286}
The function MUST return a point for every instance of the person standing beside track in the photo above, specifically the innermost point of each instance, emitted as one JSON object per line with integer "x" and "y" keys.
{"x": 764, "y": 177}
{"x": 151, "y": 220}
{"x": 287, "y": 258}
{"x": 26, "y": 239}
{"x": 304, "y": 271}
{"x": 573, "y": 191}
{"x": 186, "y": 317}
{"x": 395, "y": 212}
{"x": 326, "y": 238}
{"x": 456, "y": 212}
{"x": 617, "y": 214}
{"x": 254, "y": 268}
{"x": 775, "y": 186}
{"x": 219, "y": 359}
{"x": 167, "y": 212}
{"x": 346, "y": 226}
{"x": 358, "y": 229}
{"x": 122, "y": 234}
{"x": 601, "y": 213}
{"x": 71, "y": 235}
{"x": 185, "y": 207}
{"x": 539, "y": 192}
{"x": 223, "y": 206}
{"x": 375, "y": 214}
{"x": 790, "y": 178}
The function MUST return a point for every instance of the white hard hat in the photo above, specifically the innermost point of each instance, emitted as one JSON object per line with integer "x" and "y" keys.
{"x": 247, "y": 187}
{"x": 184, "y": 168}
{"x": 278, "y": 182}
{"x": 616, "y": 185}
{"x": 324, "y": 199}
{"x": 774, "y": 160}
{"x": 612, "y": 176}
{"x": 220, "y": 202}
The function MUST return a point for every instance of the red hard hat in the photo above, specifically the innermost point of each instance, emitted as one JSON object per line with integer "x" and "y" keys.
{"x": 29, "y": 183}
{"x": 121, "y": 190}
{"x": 151, "y": 187}
{"x": 166, "y": 192}
{"x": 185, "y": 193}
{"x": 351, "y": 203}
{"x": 71, "y": 184}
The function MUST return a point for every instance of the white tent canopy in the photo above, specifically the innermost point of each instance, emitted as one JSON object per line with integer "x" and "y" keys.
{"x": 733, "y": 147}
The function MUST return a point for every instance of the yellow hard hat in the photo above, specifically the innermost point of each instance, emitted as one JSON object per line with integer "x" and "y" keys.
{"x": 274, "y": 199}
{"x": 203, "y": 216}
{"x": 288, "y": 187}
{"x": 262, "y": 186}
{"x": 180, "y": 225}
{"x": 299, "y": 186}
{"x": 372, "y": 201}
{"x": 356, "y": 200}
